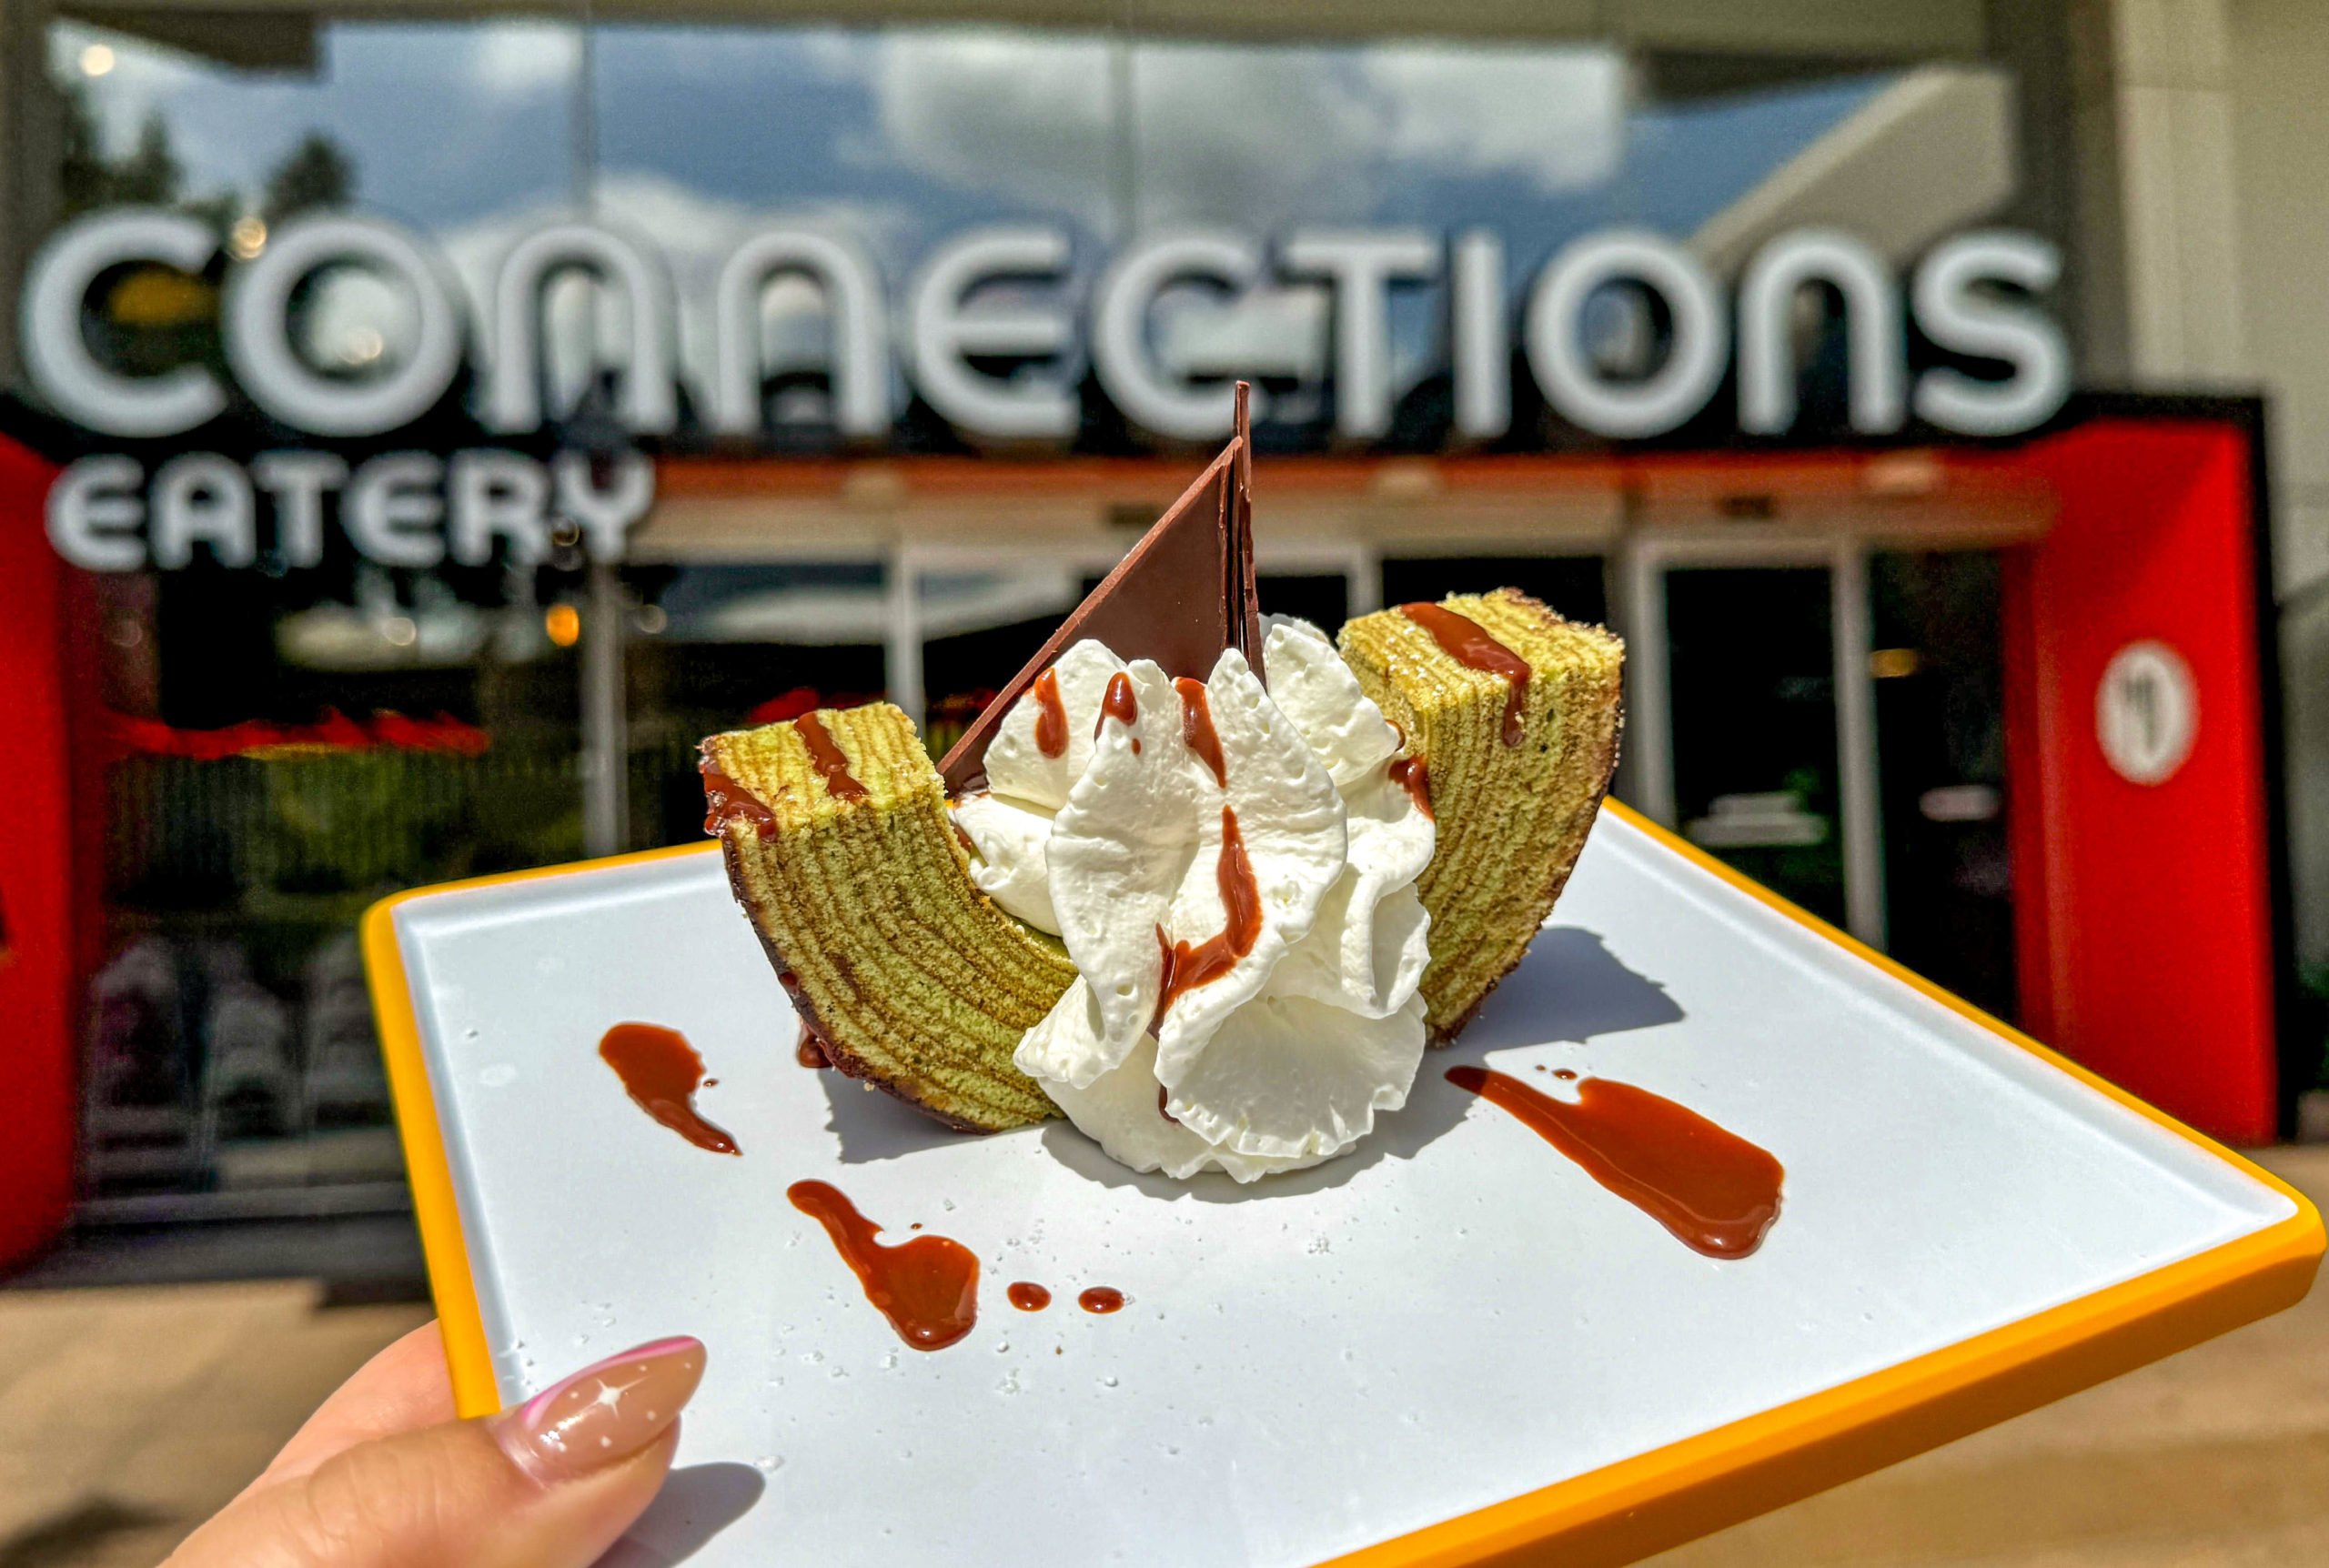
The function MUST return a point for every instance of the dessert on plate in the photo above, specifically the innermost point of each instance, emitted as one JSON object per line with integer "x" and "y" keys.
{"x": 1512, "y": 716}
{"x": 1198, "y": 878}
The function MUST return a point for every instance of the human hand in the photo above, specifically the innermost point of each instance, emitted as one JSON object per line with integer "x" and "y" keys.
{"x": 383, "y": 1476}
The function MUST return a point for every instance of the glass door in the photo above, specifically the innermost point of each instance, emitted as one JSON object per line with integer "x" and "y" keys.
{"x": 1751, "y": 727}
{"x": 1753, "y": 710}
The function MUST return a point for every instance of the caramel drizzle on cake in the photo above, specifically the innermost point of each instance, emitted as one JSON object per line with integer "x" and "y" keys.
{"x": 828, "y": 759}
{"x": 1467, "y": 642}
{"x": 725, "y": 800}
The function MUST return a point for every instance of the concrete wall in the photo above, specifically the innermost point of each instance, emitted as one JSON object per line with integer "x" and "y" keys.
{"x": 2276, "y": 61}
{"x": 2218, "y": 167}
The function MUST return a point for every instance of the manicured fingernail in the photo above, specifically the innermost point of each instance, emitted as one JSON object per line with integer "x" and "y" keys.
{"x": 604, "y": 1413}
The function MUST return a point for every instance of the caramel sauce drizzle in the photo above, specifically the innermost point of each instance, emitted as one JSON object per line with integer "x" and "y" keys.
{"x": 1102, "y": 1299}
{"x": 1410, "y": 773}
{"x": 1716, "y": 1192}
{"x": 1188, "y": 967}
{"x": 828, "y": 759}
{"x": 1469, "y": 643}
{"x": 1028, "y": 1296}
{"x": 928, "y": 1287}
{"x": 1119, "y": 705}
{"x": 1051, "y": 714}
{"x": 726, "y": 801}
{"x": 1197, "y": 728}
{"x": 661, "y": 1071}
{"x": 808, "y": 1050}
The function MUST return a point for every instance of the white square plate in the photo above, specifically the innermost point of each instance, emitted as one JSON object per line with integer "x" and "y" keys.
{"x": 1449, "y": 1345}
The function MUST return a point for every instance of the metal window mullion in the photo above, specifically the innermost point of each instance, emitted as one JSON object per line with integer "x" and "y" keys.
{"x": 606, "y": 727}
{"x": 1648, "y": 754}
{"x": 902, "y": 628}
{"x": 1856, "y": 760}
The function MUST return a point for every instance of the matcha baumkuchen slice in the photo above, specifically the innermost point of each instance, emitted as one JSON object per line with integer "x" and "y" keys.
{"x": 838, "y": 844}
{"x": 1513, "y": 715}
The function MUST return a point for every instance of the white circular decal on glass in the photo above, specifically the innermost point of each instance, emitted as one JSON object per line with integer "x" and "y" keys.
{"x": 2146, "y": 712}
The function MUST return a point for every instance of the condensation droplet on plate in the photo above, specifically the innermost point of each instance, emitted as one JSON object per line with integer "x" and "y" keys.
{"x": 500, "y": 1075}
{"x": 769, "y": 1463}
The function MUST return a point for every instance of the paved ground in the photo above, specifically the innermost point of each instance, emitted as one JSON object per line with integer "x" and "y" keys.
{"x": 127, "y": 1414}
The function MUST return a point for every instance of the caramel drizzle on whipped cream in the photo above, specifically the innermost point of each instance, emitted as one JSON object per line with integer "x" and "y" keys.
{"x": 1119, "y": 704}
{"x": 1187, "y": 966}
{"x": 1051, "y": 714}
{"x": 1197, "y": 730}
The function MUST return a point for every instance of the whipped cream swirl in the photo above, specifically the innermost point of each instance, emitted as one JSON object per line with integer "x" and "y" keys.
{"x": 1231, "y": 868}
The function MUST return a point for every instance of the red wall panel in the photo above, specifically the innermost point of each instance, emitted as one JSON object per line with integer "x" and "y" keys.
{"x": 2144, "y": 910}
{"x": 45, "y": 887}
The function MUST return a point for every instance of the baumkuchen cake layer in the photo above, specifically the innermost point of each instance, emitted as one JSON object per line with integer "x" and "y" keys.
{"x": 1513, "y": 788}
{"x": 838, "y": 845}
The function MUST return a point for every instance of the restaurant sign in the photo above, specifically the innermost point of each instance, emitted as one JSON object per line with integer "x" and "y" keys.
{"x": 994, "y": 334}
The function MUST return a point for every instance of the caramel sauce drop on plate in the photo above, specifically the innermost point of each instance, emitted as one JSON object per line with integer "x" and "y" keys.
{"x": 928, "y": 1287}
{"x": 810, "y": 1052}
{"x": 1718, "y": 1194}
{"x": 661, "y": 1071}
{"x": 1469, "y": 643}
{"x": 1029, "y": 1297}
{"x": 1102, "y": 1299}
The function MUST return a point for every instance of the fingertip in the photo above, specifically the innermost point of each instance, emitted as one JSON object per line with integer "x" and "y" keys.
{"x": 604, "y": 1414}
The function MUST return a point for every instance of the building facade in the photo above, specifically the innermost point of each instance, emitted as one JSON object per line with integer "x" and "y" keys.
{"x": 425, "y": 425}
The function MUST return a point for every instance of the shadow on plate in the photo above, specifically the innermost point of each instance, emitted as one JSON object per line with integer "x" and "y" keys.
{"x": 696, "y": 1502}
{"x": 1569, "y": 988}
{"x": 873, "y": 1125}
{"x": 1434, "y": 1108}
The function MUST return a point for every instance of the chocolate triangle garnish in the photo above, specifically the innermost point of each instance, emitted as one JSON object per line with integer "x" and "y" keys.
{"x": 1185, "y": 593}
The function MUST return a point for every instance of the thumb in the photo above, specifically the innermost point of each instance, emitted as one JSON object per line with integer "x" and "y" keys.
{"x": 549, "y": 1484}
